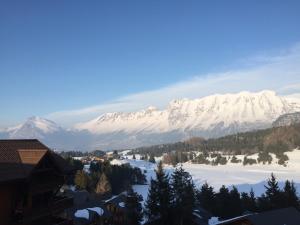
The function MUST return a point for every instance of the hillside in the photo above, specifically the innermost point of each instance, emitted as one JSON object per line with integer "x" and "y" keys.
{"x": 287, "y": 119}
{"x": 277, "y": 140}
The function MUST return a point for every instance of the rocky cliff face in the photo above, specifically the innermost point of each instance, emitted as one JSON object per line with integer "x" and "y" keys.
{"x": 287, "y": 119}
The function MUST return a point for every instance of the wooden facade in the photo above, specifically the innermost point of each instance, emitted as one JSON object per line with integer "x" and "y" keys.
{"x": 118, "y": 214}
{"x": 29, "y": 182}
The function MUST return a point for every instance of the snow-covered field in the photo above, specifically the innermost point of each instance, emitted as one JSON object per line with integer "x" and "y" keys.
{"x": 244, "y": 177}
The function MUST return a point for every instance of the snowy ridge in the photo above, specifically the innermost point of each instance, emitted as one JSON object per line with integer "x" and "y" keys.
{"x": 212, "y": 116}
{"x": 34, "y": 127}
{"x": 204, "y": 114}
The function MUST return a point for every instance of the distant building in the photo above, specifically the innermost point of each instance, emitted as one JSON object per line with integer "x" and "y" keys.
{"x": 287, "y": 216}
{"x": 31, "y": 175}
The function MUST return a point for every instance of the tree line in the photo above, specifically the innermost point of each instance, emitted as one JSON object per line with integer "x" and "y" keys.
{"x": 230, "y": 203}
{"x": 172, "y": 199}
{"x": 276, "y": 140}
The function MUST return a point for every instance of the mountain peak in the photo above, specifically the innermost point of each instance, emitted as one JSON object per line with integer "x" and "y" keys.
{"x": 33, "y": 127}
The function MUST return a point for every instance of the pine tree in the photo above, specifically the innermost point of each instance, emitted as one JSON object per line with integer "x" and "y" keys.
{"x": 133, "y": 157}
{"x": 263, "y": 203}
{"x": 206, "y": 197}
{"x": 152, "y": 159}
{"x": 184, "y": 196}
{"x": 245, "y": 199}
{"x": 235, "y": 207}
{"x": 81, "y": 180}
{"x": 159, "y": 199}
{"x": 133, "y": 207}
{"x": 290, "y": 195}
{"x": 103, "y": 185}
{"x": 273, "y": 193}
{"x": 222, "y": 203}
{"x": 252, "y": 203}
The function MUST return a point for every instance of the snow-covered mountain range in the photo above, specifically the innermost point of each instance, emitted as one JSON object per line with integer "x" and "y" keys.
{"x": 211, "y": 116}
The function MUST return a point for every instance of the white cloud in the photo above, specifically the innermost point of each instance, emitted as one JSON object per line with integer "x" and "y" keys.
{"x": 279, "y": 72}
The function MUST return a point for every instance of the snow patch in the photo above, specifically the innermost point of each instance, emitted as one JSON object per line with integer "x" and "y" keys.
{"x": 83, "y": 213}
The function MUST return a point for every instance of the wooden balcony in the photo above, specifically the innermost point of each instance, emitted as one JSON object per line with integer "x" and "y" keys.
{"x": 60, "y": 204}
{"x": 48, "y": 210}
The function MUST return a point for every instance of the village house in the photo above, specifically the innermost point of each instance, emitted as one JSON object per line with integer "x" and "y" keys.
{"x": 31, "y": 175}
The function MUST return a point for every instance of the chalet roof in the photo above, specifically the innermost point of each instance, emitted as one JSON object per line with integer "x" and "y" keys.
{"x": 118, "y": 201}
{"x": 288, "y": 216}
{"x": 84, "y": 201}
{"x": 19, "y": 157}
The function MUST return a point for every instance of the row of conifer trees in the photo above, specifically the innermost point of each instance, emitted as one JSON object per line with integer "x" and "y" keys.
{"x": 172, "y": 199}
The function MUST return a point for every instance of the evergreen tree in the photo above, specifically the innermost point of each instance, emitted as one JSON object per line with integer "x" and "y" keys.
{"x": 103, "y": 185}
{"x": 249, "y": 202}
{"x": 290, "y": 194}
{"x": 133, "y": 157}
{"x": 245, "y": 199}
{"x": 133, "y": 207}
{"x": 116, "y": 154}
{"x": 151, "y": 158}
{"x": 206, "y": 197}
{"x": 222, "y": 202}
{"x": 252, "y": 204}
{"x": 159, "y": 199}
{"x": 273, "y": 193}
{"x": 81, "y": 180}
{"x": 263, "y": 203}
{"x": 95, "y": 167}
{"x": 184, "y": 196}
{"x": 234, "y": 159}
{"x": 235, "y": 206}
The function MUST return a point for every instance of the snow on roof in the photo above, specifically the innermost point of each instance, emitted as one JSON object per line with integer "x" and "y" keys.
{"x": 113, "y": 197}
{"x": 213, "y": 221}
{"x": 197, "y": 215}
{"x": 83, "y": 213}
{"x": 231, "y": 219}
{"x": 98, "y": 210}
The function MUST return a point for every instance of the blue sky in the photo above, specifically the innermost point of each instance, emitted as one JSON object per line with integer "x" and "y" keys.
{"x": 62, "y": 58}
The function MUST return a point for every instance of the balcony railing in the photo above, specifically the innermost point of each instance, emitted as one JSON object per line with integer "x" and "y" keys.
{"x": 60, "y": 204}
{"x": 56, "y": 206}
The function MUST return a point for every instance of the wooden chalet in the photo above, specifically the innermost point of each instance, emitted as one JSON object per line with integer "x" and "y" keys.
{"x": 287, "y": 216}
{"x": 31, "y": 175}
{"x": 116, "y": 206}
{"x": 87, "y": 209}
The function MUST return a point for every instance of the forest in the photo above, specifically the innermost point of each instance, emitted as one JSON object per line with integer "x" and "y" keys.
{"x": 276, "y": 140}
